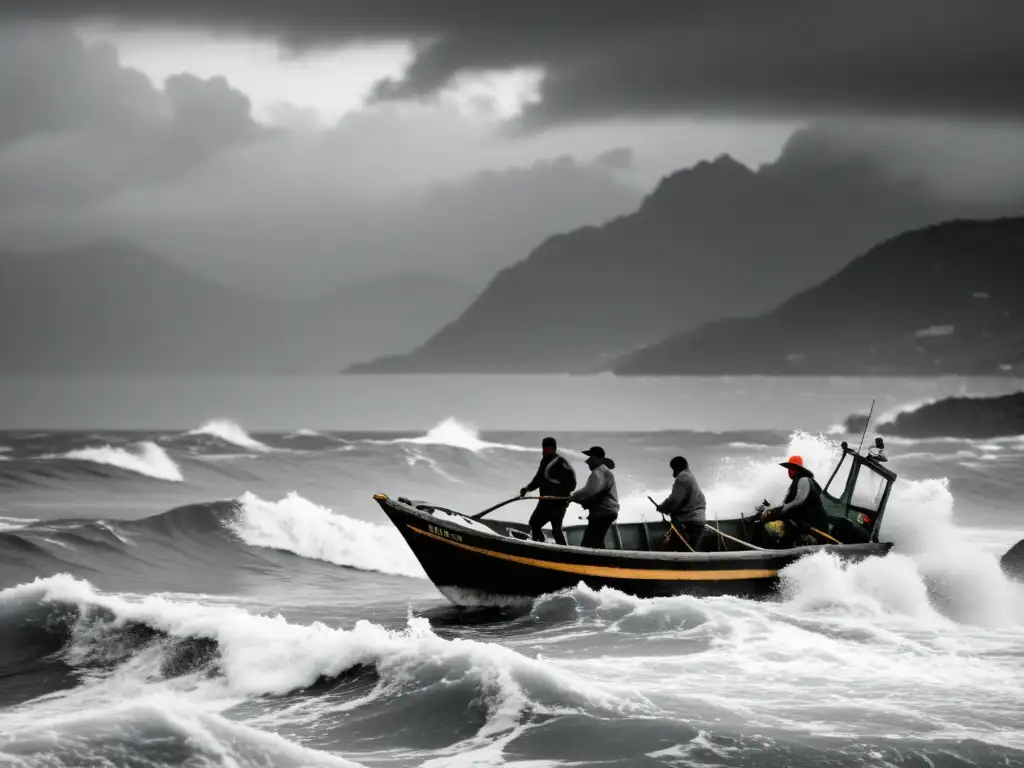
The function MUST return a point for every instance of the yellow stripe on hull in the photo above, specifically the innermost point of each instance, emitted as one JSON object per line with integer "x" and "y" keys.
{"x": 611, "y": 572}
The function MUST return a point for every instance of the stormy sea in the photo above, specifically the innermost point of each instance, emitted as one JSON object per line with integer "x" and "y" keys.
{"x": 226, "y": 593}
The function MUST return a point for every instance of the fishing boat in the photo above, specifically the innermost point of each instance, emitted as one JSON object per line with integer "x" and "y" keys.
{"x": 473, "y": 561}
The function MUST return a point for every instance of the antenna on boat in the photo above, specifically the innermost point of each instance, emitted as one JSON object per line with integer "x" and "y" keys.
{"x": 866, "y": 425}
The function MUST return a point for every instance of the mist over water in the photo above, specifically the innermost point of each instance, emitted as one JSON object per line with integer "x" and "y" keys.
{"x": 218, "y": 594}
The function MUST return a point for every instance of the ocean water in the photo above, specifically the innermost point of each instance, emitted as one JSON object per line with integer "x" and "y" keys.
{"x": 185, "y": 582}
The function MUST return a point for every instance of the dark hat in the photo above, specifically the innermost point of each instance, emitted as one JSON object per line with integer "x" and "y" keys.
{"x": 678, "y": 463}
{"x": 596, "y": 451}
{"x": 548, "y": 442}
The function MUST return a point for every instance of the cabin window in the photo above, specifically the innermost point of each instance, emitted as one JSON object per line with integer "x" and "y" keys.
{"x": 869, "y": 490}
{"x": 838, "y": 482}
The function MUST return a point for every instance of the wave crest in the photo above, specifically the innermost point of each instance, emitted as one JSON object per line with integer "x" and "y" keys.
{"x": 457, "y": 434}
{"x": 151, "y": 460}
{"x": 260, "y": 655}
{"x": 299, "y": 526}
{"x": 229, "y": 432}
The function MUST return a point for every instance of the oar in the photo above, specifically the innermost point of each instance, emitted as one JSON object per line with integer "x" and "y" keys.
{"x": 488, "y": 511}
{"x": 826, "y": 536}
{"x": 672, "y": 526}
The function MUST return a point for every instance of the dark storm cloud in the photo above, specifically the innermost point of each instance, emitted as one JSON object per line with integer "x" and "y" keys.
{"x": 76, "y": 123}
{"x": 950, "y": 58}
{"x": 90, "y": 149}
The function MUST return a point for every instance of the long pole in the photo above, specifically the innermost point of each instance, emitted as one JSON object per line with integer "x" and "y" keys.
{"x": 487, "y": 511}
{"x": 866, "y": 425}
{"x": 672, "y": 526}
{"x": 733, "y": 538}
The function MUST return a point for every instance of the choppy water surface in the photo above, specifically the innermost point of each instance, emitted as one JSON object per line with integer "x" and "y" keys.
{"x": 214, "y": 597}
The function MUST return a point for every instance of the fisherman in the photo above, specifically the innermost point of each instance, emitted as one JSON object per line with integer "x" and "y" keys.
{"x": 599, "y": 496}
{"x": 555, "y": 477}
{"x": 685, "y": 507}
{"x": 801, "y": 511}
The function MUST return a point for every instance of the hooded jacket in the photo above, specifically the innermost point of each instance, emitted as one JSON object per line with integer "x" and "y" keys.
{"x": 599, "y": 495}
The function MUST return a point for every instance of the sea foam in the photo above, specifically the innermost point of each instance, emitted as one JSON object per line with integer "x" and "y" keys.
{"x": 229, "y": 432}
{"x": 296, "y": 525}
{"x": 456, "y": 434}
{"x": 150, "y": 460}
{"x": 262, "y": 655}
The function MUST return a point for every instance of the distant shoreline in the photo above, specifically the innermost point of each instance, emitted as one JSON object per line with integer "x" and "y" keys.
{"x": 973, "y": 418}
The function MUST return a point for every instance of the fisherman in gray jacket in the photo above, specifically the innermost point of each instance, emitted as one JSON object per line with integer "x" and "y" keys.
{"x": 599, "y": 497}
{"x": 685, "y": 506}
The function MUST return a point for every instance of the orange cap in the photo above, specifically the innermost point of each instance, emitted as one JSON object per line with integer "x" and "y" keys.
{"x": 793, "y": 462}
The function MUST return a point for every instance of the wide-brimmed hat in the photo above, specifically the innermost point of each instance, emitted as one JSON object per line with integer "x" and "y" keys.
{"x": 794, "y": 462}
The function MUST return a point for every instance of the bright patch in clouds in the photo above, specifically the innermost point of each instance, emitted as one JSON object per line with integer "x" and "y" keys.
{"x": 304, "y": 89}
{"x": 497, "y": 94}
{"x": 330, "y": 83}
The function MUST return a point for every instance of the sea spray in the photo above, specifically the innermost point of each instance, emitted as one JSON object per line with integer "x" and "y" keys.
{"x": 848, "y": 650}
{"x": 736, "y": 485}
{"x": 963, "y": 580}
{"x": 263, "y": 654}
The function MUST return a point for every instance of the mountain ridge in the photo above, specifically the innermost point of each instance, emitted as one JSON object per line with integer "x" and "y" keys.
{"x": 711, "y": 241}
{"x": 871, "y": 318}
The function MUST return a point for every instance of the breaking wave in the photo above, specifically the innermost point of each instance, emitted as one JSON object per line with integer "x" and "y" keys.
{"x": 229, "y": 533}
{"x": 220, "y": 652}
{"x": 299, "y": 526}
{"x": 151, "y": 460}
{"x": 456, "y": 434}
{"x": 229, "y": 432}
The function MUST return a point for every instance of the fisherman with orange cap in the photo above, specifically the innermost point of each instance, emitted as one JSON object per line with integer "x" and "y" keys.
{"x": 801, "y": 510}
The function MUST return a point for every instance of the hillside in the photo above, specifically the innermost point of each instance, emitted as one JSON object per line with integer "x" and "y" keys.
{"x": 114, "y": 307}
{"x": 970, "y": 418}
{"x": 945, "y": 299}
{"x": 716, "y": 240}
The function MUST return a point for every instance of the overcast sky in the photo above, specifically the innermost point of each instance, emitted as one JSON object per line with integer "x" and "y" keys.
{"x": 285, "y": 144}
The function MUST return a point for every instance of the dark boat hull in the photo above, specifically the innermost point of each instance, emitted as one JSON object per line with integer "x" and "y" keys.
{"x": 472, "y": 567}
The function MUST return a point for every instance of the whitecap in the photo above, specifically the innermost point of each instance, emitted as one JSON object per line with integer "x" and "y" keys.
{"x": 229, "y": 432}
{"x": 299, "y": 526}
{"x": 151, "y": 460}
